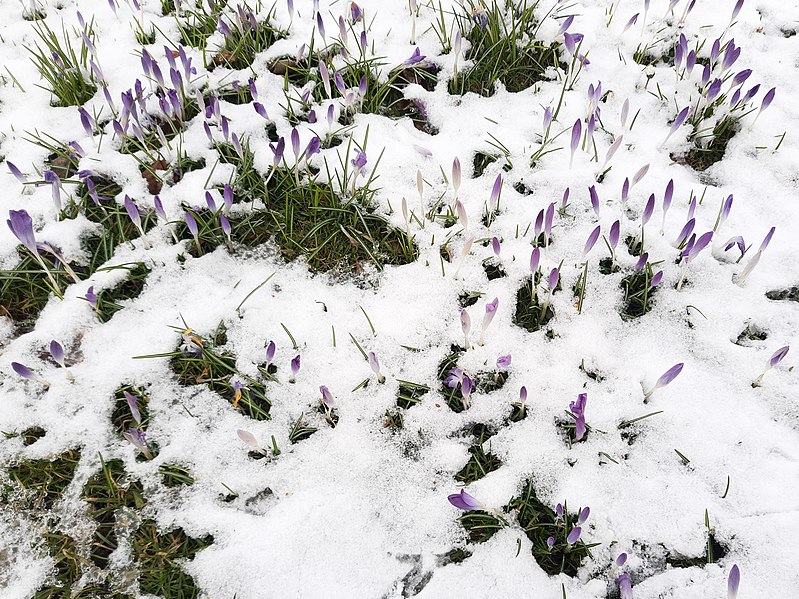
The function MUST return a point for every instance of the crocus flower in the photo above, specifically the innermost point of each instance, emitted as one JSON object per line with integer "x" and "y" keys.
{"x": 621, "y": 560}
{"x": 270, "y": 352}
{"x": 559, "y": 510}
{"x": 239, "y": 390}
{"x": 574, "y": 535}
{"x": 416, "y": 57}
{"x": 21, "y": 226}
{"x": 554, "y": 277}
{"x": 191, "y": 225}
{"x": 656, "y": 279}
{"x": 639, "y": 175}
{"x": 503, "y": 362}
{"x": 295, "y": 368}
{"x": 577, "y": 129}
{"x": 358, "y": 163}
{"x": 251, "y": 441}
{"x": 496, "y": 246}
{"x": 535, "y": 258}
{"x": 467, "y": 385}
{"x": 454, "y": 377}
{"x": 589, "y": 243}
{"x": 138, "y": 439}
{"x": 192, "y": 345}
{"x": 464, "y": 501}
{"x": 491, "y": 309}
{"x": 613, "y": 240}
{"x": 753, "y": 261}
{"x": 495, "y": 193}
{"x": 27, "y": 373}
{"x": 463, "y": 217}
{"x": 57, "y": 353}
{"x": 664, "y": 379}
{"x": 592, "y": 193}
{"x": 577, "y": 409}
{"x": 327, "y": 397}
{"x": 625, "y": 586}
{"x": 583, "y": 516}
{"x": 775, "y": 359}
{"x": 134, "y": 407}
{"x": 375, "y": 366}
{"x": 466, "y": 326}
{"x": 467, "y": 247}
{"x": 734, "y": 579}
{"x": 550, "y": 542}
{"x": 16, "y": 172}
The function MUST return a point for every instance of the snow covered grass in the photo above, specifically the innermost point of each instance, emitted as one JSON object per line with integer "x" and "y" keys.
{"x": 334, "y": 299}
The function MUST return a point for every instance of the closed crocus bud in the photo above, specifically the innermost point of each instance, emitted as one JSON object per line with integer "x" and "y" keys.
{"x": 649, "y": 208}
{"x": 270, "y": 352}
{"x": 574, "y": 535}
{"x": 550, "y": 542}
{"x": 21, "y": 225}
{"x": 594, "y": 199}
{"x": 496, "y": 190}
{"x": 554, "y": 277}
{"x": 250, "y": 440}
{"x": 613, "y": 236}
{"x": 57, "y": 353}
{"x": 495, "y": 246}
{"x": 559, "y": 510}
{"x": 665, "y": 379}
{"x": 327, "y": 397}
{"x": 639, "y": 175}
{"x": 503, "y": 362}
{"x": 22, "y": 370}
{"x": 584, "y": 513}
{"x": 775, "y": 359}
{"x": 589, "y": 244}
{"x": 91, "y": 297}
{"x": 491, "y": 309}
{"x": 295, "y": 368}
{"x": 467, "y": 384}
{"x": 464, "y": 501}
{"x": 734, "y": 579}
{"x": 656, "y": 279}
{"x": 523, "y": 394}
{"x": 375, "y": 366}
{"x": 463, "y": 218}
{"x": 209, "y": 201}
{"x": 191, "y": 224}
{"x": 565, "y": 200}
{"x": 621, "y": 560}
{"x": 535, "y": 258}
{"x": 642, "y": 260}
{"x": 133, "y": 405}
{"x": 577, "y": 130}
{"x": 466, "y": 326}
{"x": 456, "y": 175}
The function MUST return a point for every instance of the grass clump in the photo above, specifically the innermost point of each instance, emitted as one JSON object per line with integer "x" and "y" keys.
{"x": 503, "y": 48}
{"x": 480, "y": 463}
{"x": 108, "y": 300}
{"x": 244, "y": 38}
{"x": 539, "y": 523}
{"x": 41, "y": 481}
{"x": 638, "y": 292}
{"x": 531, "y": 313}
{"x": 410, "y": 394}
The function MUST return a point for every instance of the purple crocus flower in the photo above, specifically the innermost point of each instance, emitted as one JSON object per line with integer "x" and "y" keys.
{"x": 714, "y": 90}
{"x": 327, "y": 397}
{"x": 375, "y": 366}
{"x": 503, "y": 362}
{"x": 495, "y": 246}
{"x": 589, "y": 244}
{"x": 191, "y": 224}
{"x": 685, "y": 232}
{"x": 416, "y": 57}
{"x": 648, "y": 209}
{"x": 134, "y": 407}
{"x": 642, "y": 260}
{"x": 535, "y": 258}
{"x": 594, "y": 199}
{"x": 775, "y": 359}
{"x": 464, "y": 501}
{"x": 138, "y": 439}
{"x": 467, "y": 385}
{"x": 495, "y": 192}
{"x": 466, "y": 326}
{"x": 621, "y": 560}
{"x": 57, "y": 353}
{"x": 578, "y": 410}
{"x": 270, "y": 352}
{"x": 574, "y": 535}
{"x": 554, "y": 277}
{"x": 583, "y": 516}
{"x": 550, "y": 542}
{"x": 295, "y": 368}
{"x": 656, "y": 279}
{"x": 734, "y": 579}
{"x": 665, "y": 379}
{"x": 55, "y": 186}
{"x": 559, "y": 510}
{"x": 314, "y": 147}
{"x": 577, "y": 130}
{"x": 21, "y": 226}
{"x": 613, "y": 236}
{"x": 91, "y": 297}
{"x": 16, "y": 172}
{"x": 22, "y": 370}
{"x": 625, "y": 586}
{"x": 224, "y": 223}
{"x": 491, "y": 309}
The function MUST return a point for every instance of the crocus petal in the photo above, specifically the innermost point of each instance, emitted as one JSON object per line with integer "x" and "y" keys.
{"x": 669, "y": 375}
{"x": 22, "y": 370}
{"x": 778, "y": 356}
{"x": 734, "y": 579}
{"x": 574, "y": 535}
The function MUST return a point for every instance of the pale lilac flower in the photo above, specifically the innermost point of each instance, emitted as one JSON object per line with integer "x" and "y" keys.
{"x": 639, "y": 175}
{"x": 633, "y": 20}
{"x": 495, "y": 246}
{"x": 775, "y": 359}
{"x": 134, "y": 407}
{"x": 16, "y": 172}
{"x": 55, "y": 186}
{"x": 594, "y": 199}
{"x": 621, "y": 560}
{"x": 91, "y": 297}
{"x": 21, "y": 226}
{"x": 656, "y": 279}
{"x": 295, "y": 368}
{"x": 535, "y": 258}
{"x": 57, "y": 353}
{"x": 649, "y": 208}
{"x": 456, "y": 176}
{"x": 464, "y": 501}
{"x": 625, "y": 586}
{"x": 466, "y": 326}
{"x": 467, "y": 385}
{"x": 270, "y": 352}
{"x": 491, "y": 309}
{"x": 22, "y": 370}
{"x": 495, "y": 193}
{"x": 685, "y": 232}
{"x": 559, "y": 510}
{"x": 250, "y": 440}
{"x": 613, "y": 237}
{"x": 138, "y": 439}
{"x": 665, "y": 379}
{"x": 734, "y": 579}
{"x": 642, "y": 260}
{"x": 523, "y": 394}
{"x": 589, "y": 244}
{"x": 554, "y": 277}
{"x": 503, "y": 362}
{"x": 574, "y": 535}
{"x": 375, "y": 366}
{"x": 577, "y": 129}
{"x": 577, "y": 409}
{"x": 327, "y": 397}
{"x": 583, "y": 516}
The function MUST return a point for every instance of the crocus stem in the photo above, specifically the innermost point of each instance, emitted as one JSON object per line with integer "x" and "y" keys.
{"x": 145, "y": 241}
{"x": 466, "y": 341}
{"x": 56, "y": 288}
{"x": 582, "y": 289}
{"x": 197, "y": 245}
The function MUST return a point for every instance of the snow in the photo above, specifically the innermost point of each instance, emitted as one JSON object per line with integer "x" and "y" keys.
{"x": 350, "y": 504}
